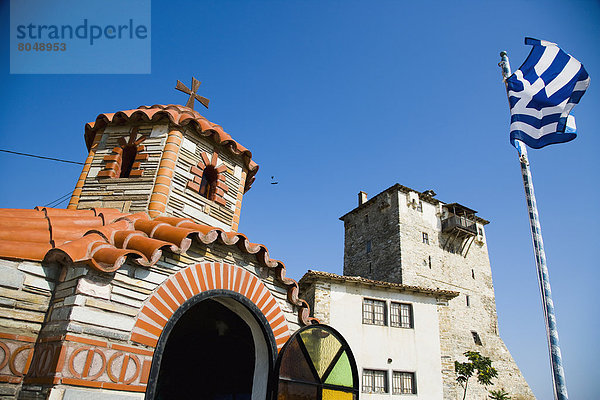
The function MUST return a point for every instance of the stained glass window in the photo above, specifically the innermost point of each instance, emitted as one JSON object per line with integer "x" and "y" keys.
{"x": 317, "y": 363}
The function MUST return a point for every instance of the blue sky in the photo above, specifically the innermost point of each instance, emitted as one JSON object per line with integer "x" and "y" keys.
{"x": 335, "y": 97}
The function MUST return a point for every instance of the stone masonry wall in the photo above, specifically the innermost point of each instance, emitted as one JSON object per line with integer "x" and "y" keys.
{"x": 318, "y": 297}
{"x": 25, "y": 292}
{"x": 185, "y": 203}
{"x": 85, "y": 343}
{"x": 378, "y": 224}
{"x": 425, "y": 263}
{"x": 133, "y": 194}
{"x": 125, "y": 194}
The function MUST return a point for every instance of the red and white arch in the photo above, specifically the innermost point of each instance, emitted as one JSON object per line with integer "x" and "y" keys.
{"x": 196, "y": 279}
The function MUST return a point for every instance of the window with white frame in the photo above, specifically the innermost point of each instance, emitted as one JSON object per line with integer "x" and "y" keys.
{"x": 401, "y": 315}
{"x": 403, "y": 383}
{"x": 373, "y": 312}
{"x": 374, "y": 381}
{"x": 425, "y": 238}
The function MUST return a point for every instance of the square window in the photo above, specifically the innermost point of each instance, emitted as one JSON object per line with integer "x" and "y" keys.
{"x": 373, "y": 312}
{"x": 374, "y": 381}
{"x": 404, "y": 383}
{"x": 401, "y": 315}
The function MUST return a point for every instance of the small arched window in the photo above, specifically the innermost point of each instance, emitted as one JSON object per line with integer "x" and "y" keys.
{"x": 127, "y": 160}
{"x": 208, "y": 185}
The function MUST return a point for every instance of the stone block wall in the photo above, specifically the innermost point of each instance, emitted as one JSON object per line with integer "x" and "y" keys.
{"x": 125, "y": 194}
{"x": 25, "y": 294}
{"x": 318, "y": 297}
{"x": 372, "y": 241}
{"x": 187, "y": 203}
{"x": 175, "y": 182}
{"x": 86, "y": 342}
{"x": 405, "y": 256}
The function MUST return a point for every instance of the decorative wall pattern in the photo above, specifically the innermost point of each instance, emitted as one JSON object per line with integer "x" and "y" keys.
{"x": 88, "y": 362}
{"x": 196, "y": 279}
{"x": 15, "y": 357}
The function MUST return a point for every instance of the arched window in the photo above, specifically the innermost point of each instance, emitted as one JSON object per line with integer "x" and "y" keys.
{"x": 316, "y": 363}
{"x": 208, "y": 185}
{"x": 127, "y": 160}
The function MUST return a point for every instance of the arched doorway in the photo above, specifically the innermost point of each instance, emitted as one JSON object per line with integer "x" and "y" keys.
{"x": 217, "y": 346}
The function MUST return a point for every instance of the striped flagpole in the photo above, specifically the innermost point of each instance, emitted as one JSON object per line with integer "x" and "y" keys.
{"x": 558, "y": 375}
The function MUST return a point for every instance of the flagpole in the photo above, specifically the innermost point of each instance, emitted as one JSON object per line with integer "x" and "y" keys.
{"x": 558, "y": 375}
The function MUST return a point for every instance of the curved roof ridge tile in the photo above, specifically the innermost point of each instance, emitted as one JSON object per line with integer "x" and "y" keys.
{"x": 182, "y": 237}
{"x": 79, "y": 250}
{"x": 149, "y": 226}
{"x": 175, "y": 221}
{"x": 108, "y": 231}
{"x": 180, "y": 116}
{"x": 121, "y": 238}
{"x": 106, "y": 246}
{"x": 109, "y": 259}
{"x": 151, "y": 249}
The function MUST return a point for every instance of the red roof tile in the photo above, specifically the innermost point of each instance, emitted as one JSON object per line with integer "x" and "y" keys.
{"x": 105, "y": 238}
{"x": 180, "y": 116}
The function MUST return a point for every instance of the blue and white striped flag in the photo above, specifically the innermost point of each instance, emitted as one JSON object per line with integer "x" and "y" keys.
{"x": 542, "y": 93}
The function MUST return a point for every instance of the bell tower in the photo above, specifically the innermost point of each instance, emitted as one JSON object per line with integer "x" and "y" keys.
{"x": 167, "y": 160}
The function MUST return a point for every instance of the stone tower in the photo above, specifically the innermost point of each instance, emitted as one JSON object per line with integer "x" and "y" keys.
{"x": 166, "y": 160}
{"x": 405, "y": 236}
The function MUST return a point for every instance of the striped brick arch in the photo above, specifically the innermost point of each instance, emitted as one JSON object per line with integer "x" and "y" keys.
{"x": 196, "y": 279}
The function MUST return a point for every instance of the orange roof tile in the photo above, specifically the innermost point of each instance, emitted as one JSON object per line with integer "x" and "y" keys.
{"x": 180, "y": 116}
{"x": 105, "y": 238}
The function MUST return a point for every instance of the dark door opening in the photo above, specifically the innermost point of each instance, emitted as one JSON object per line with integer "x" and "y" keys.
{"x": 209, "y": 355}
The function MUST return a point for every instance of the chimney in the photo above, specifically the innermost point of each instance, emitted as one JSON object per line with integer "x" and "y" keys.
{"x": 362, "y": 198}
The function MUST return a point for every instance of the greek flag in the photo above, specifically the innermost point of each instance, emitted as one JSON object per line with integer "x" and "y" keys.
{"x": 542, "y": 93}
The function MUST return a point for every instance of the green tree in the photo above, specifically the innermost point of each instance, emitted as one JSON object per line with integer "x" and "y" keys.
{"x": 499, "y": 394}
{"x": 477, "y": 364}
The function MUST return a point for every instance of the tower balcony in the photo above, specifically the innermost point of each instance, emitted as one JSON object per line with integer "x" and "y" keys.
{"x": 459, "y": 223}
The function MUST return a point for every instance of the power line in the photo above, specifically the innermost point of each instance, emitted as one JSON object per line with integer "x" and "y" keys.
{"x": 56, "y": 202}
{"x": 42, "y": 157}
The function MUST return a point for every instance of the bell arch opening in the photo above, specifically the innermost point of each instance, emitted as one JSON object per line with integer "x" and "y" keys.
{"x": 217, "y": 346}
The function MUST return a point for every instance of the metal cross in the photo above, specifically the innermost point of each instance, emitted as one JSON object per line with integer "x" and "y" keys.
{"x": 195, "y": 85}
